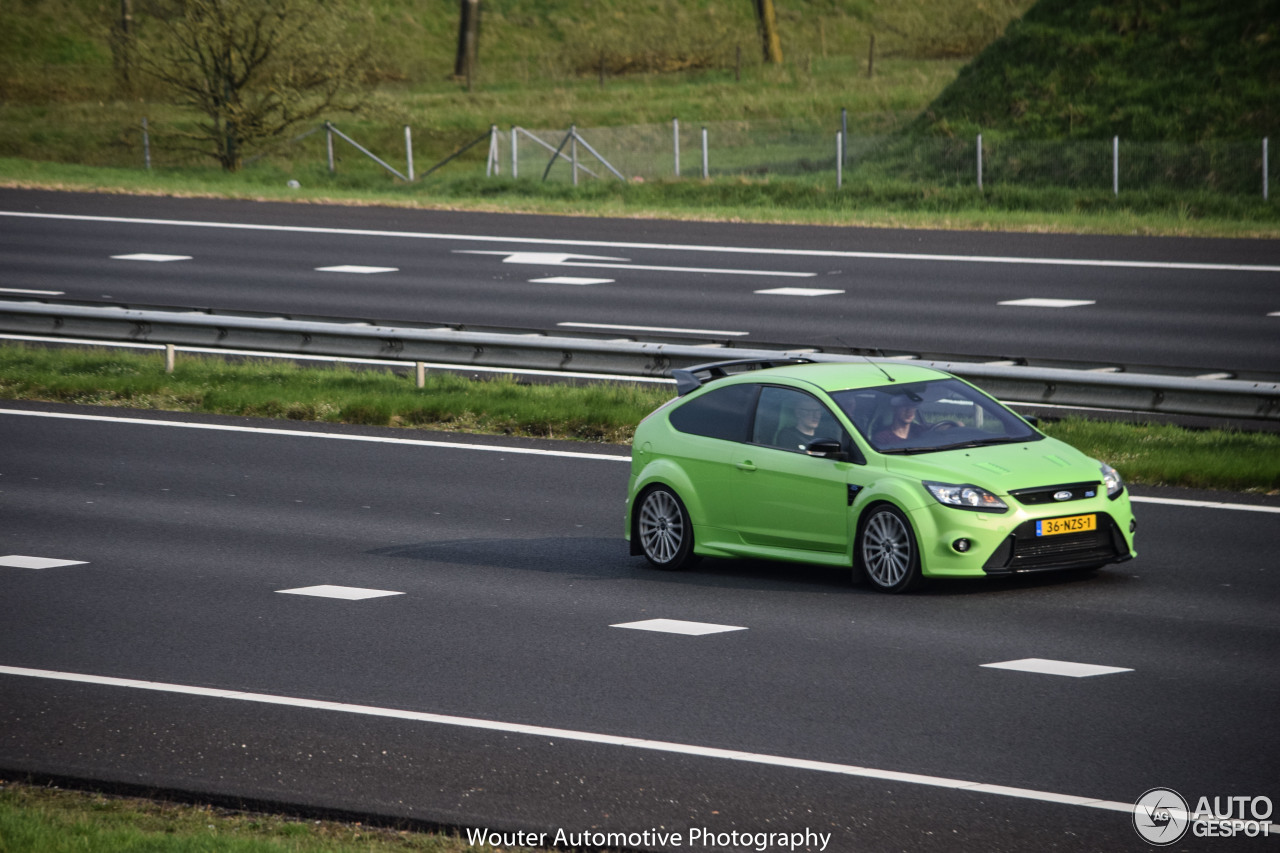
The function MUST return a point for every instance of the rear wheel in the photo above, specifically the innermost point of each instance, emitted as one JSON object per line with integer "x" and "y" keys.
{"x": 886, "y": 552}
{"x": 664, "y": 530}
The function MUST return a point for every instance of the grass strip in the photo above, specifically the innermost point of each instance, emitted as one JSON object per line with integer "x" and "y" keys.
{"x": 1149, "y": 454}
{"x": 53, "y": 820}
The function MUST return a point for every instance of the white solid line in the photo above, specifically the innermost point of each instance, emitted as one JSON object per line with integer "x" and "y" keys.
{"x": 674, "y": 247}
{"x": 414, "y": 442}
{"x": 430, "y": 365}
{"x": 586, "y": 737}
{"x": 1204, "y": 504}
{"x": 568, "y": 454}
{"x": 613, "y": 327}
{"x": 32, "y": 292}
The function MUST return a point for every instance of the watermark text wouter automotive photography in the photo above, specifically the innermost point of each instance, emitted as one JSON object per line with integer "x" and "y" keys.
{"x": 694, "y": 838}
{"x": 1162, "y": 816}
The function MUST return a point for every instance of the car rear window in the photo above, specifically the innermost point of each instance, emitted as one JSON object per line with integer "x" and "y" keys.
{"x": 720, "y": 413}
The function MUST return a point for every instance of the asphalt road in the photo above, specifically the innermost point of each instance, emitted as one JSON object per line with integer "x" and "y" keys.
{"x": 510, "y": 579}
{"x": 1206, "y": 305}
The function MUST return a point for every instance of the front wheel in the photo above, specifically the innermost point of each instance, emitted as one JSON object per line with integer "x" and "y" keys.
{"x": 886, "y": 552}
{"x": 662, "y": 524}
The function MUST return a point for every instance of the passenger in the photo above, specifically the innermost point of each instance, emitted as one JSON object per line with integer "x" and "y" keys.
{"x": 807, "y": 415}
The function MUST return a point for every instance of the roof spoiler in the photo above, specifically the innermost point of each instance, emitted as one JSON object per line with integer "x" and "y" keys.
{"x": 692, "y": 378}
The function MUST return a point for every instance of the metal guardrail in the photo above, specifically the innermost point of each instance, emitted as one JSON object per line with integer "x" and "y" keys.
{"x": 1139, "y": 392}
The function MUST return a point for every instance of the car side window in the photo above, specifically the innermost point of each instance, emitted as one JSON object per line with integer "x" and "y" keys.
{"x": 791, "y": 420}
{"x": 720, "y": 413}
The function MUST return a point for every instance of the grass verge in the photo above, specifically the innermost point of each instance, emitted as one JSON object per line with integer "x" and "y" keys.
{"x": 52, "y": 820}
{"x": 603, "y": 412}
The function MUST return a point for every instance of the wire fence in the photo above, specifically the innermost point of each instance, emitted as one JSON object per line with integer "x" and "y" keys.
{"x": 731, "y": 149}
{"x": 761, "y": 149}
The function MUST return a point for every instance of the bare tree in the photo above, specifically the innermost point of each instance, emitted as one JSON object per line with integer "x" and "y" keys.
{"x": 767, "y": 21}
{"x": 255, "y": 69}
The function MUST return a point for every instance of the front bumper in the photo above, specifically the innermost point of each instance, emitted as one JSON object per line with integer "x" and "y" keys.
{"x": 1023, "y": 551}
{"x": 1005, "y": 543}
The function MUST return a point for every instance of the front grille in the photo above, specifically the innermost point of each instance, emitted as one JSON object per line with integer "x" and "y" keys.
{"x": 1023, "y": 551}
{"x": 1048, "y": 494}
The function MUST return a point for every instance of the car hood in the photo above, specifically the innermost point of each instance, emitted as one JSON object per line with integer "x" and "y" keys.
{"x": 1002, "y": 467}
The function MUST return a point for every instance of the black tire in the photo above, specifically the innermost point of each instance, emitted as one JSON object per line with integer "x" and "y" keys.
{"x": 663, "y": 529}
{"x": 886, "y": 554}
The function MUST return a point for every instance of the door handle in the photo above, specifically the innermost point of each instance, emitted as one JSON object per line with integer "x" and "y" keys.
{"x": 745, "y": 465}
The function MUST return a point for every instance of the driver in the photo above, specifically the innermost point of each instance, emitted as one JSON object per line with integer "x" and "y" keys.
{"x": 904, "y": 426}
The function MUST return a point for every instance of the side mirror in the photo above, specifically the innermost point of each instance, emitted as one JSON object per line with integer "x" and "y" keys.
{"x": 827, "y": 448}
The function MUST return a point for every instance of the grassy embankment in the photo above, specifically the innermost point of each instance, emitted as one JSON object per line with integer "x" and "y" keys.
{"x": 50, "y": 820}
{"x": 64, "y": 123}
{"x": 1150, "y": 454}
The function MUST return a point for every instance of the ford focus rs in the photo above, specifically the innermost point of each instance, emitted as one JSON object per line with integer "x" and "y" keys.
{"x": 895, "y": 471}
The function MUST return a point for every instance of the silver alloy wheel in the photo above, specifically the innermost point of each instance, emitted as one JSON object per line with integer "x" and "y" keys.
{"x": 661, "y": 526}
{"x": 886, "y": 549}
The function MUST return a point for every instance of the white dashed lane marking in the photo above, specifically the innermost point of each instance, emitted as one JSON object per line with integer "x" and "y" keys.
{"x": 146, "y": 256}
{"x": 1048, "y": 303}
{"x": 799, "y": 291}
{"x": 347, "y": 593}
{"x": 354, "y": 268}
{"x": 568, "y": 279}
{"x": 677, "y": 626}
{"x": 1057, "y": 667}
{"x": 17, "y": 561}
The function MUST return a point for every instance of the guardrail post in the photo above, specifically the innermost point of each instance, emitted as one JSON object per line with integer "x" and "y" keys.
{"x": 168, "y": 358}
{"x": 420, "y": 374}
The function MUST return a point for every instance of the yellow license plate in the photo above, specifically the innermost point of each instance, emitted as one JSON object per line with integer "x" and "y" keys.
{"x": 1070, "y": 524}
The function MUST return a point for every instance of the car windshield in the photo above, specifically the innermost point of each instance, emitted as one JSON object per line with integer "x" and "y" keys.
{"x": 924, "y": 417}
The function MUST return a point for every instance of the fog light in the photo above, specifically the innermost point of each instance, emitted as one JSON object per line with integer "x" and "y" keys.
{"x": 961, "y": 545}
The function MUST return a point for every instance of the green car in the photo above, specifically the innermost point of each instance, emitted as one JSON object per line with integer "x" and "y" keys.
{"x": 896, "y": 471}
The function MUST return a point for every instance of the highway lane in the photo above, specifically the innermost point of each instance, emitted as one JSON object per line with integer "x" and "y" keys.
{"x": 511, "y": 577}
{"x": 1158, "y": 301}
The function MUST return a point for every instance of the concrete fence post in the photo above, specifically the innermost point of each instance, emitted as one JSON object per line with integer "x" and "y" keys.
{"x": 839, "y": 159}
{"x": 408, "y": 151}
{"x": 675, "y": 143}
{"x": 979, "y": 162}
{"x": 1115, "y": 165}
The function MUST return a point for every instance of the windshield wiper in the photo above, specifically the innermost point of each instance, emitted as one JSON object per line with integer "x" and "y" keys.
{"x": 983, "y": 442}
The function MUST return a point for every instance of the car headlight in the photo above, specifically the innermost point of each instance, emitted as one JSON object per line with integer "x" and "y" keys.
{"x": 965, "y": 496}
{"x": 1111, "y": 479}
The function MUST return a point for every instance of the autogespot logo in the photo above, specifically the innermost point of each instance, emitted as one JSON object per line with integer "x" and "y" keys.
{"x": 1161, "y": 816}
